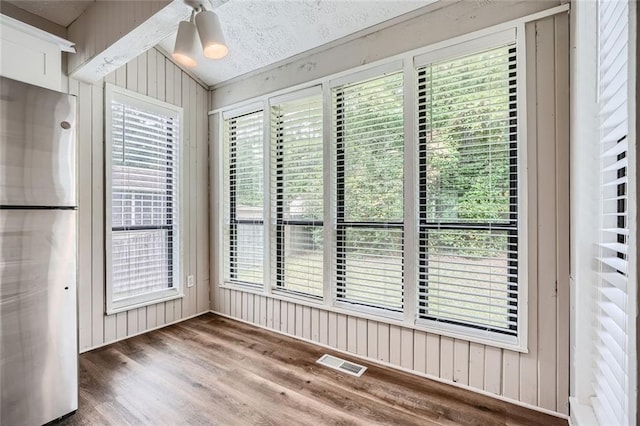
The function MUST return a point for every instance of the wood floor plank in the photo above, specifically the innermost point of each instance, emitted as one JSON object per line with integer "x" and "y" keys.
{"x": 213, "y": 370}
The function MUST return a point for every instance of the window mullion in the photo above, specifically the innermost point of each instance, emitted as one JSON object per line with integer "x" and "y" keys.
{"x": 410, "y": 240}
{"x": 329, "y": 235}
{"x": 527, "y": 254}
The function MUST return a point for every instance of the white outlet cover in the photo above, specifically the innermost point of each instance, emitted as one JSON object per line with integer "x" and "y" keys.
{"x": 190, "y": 281}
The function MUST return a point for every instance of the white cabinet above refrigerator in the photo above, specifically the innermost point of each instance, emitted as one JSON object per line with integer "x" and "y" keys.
{"x": 31, "y": 55}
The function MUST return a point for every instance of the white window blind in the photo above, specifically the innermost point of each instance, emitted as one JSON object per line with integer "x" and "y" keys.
{"x": 244, "y": 199}
{"x": 468, "y": 191}
{"x": 297, "y": 195}
{"x": 368, "y": 134}
{"x": 612, "y": 356}
{"x": 143, "y": 189}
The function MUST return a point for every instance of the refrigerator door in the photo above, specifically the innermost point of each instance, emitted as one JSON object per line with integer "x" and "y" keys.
{"x": 38, "y": 326}
{"x": 37, "y": 146}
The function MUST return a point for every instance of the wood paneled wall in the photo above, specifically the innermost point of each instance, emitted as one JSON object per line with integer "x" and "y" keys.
{"x": 540, "y": 377}
{"x": 152, "y": 74}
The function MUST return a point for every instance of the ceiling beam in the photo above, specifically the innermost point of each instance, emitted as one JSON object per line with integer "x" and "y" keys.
{"x": 111, "y": 33}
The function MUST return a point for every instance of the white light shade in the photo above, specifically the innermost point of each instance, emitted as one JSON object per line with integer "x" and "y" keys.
{"x": 184, "y": 50}
{"x": 211, "y": 36}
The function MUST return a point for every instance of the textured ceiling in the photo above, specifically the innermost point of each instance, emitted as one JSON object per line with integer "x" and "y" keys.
{"x": 62, "y": 12}
{"x": 262, "y": 32}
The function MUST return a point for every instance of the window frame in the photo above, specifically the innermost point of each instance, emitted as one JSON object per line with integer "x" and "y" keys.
{"x": 457, "y": 329}
{"x": 111, "y": 93}
{"x": 338, "y": 196}
{"x": 233, "y": 222}
{"x": 407, "y": 63}
{"x": 277, "y": 220}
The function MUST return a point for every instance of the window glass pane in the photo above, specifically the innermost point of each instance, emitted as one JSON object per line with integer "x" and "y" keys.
{"x": 246, "y": 165}
{"x": 372, "y": 271}
{"x": 138, "y": 208}
{"x": 244, "y": 199}
{"x": 297, "y": 195}
{"x": 144, "y": 163}
{"x": 369, "y": 135}
{"x": 369, "y": 130}
{"x": 247, "y": 255}
{"x": 468, "y": 138}
{"x": 297, "y": 168}
{"x": 141, "y": 262}
{"x": 299, "y": 269}
{"x": 471, "y": 276}
{"x": 468, "y": 157}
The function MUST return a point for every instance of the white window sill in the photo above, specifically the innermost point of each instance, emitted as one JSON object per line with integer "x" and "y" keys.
{"x": 128, "y": 304}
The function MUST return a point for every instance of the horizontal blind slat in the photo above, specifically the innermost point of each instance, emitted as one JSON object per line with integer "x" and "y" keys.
{"x": 615, "y": 263}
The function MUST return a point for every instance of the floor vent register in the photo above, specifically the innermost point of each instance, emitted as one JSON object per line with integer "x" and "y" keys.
{"x": 342, "y": 365}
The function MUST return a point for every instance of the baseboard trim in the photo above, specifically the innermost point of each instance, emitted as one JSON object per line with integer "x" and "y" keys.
{"x": 406, "y": 370}
{"x": 143, "y": 332}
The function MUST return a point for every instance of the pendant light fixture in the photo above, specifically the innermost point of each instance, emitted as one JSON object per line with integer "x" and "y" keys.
{"x": 206, "y": 25}
{"x": 211, "y": 37}
{"x": 184, "y": 50}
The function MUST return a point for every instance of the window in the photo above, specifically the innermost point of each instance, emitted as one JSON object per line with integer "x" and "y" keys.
{"x": 244, "y": 192}
{"x": 393, "y": 191}
{"x": 369, "y": 139}
{"x": 143, "y": 190}
{"x": 468, "y": 191}
{"x": 297, "y": 191}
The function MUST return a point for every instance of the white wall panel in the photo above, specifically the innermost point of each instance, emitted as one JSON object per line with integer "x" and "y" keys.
{"x": 476, "y": 365}
{"x": 154, "y": 75}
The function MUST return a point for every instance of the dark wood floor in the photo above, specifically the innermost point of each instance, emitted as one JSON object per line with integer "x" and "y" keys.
{"x": 211, "y": 370}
